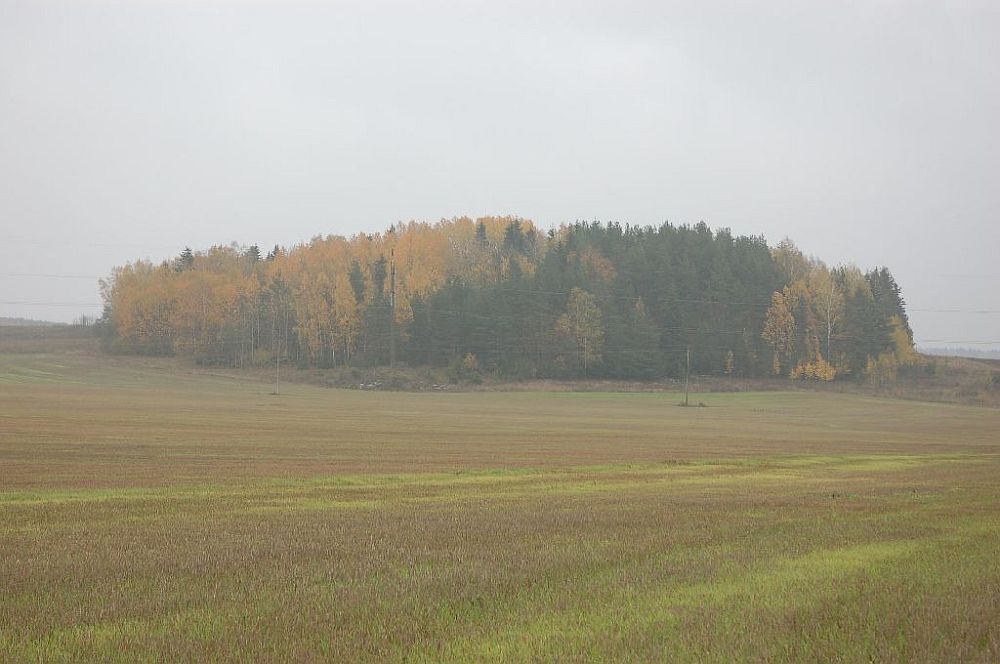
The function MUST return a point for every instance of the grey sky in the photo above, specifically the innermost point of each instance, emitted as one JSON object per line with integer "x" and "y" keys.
{"x": 865, "y": 132}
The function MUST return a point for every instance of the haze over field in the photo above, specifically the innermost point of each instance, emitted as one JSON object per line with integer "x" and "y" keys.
{"x": 866, "y": 133}
{"x": 467, "y": 331}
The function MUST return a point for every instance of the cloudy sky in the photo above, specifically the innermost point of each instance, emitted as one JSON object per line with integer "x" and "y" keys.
{"x": 865, "y": 132}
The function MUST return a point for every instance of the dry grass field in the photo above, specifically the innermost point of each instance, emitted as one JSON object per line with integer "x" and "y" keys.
{"x": 153, "y": 512}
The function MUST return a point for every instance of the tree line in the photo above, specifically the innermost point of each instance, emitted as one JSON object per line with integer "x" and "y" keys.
{"x": 497, "y": 295}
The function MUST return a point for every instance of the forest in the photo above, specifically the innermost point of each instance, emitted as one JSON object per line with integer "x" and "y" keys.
{"x": 497, "y": 295}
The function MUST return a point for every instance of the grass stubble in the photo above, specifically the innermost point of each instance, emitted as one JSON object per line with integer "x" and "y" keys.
{"x": 153, "y": 514}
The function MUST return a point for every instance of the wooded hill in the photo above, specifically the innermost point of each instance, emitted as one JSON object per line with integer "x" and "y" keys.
{"x": 495, "y": 294}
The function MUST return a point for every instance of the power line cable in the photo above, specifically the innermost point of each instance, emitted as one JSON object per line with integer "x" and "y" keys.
{"x": 26, "y": 303}
{"x": 42, "y": 275}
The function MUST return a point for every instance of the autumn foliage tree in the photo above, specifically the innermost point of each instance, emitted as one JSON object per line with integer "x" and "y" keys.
{"x": 779, "y": 331}
{"x": 601, "y": 300}
{"x": 582, "y": 328}
{"x": 825, "y": 323}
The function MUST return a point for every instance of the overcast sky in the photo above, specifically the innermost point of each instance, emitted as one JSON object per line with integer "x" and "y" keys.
{"x": 868, "y": 133}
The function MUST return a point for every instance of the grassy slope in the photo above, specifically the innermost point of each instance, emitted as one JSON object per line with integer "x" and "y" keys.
{"x": 145, "y": 512}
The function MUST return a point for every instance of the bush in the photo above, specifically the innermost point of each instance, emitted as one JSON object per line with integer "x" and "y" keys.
{"x": 882, "y": 370}
{"x": 465, "y": 369}
{"x": 470, "y": 363}
{"x": 818, "y": 369}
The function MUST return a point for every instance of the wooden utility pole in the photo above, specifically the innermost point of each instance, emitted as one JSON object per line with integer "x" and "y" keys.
{"x": 392, "y": 308}
{"x": 687, "y": 376}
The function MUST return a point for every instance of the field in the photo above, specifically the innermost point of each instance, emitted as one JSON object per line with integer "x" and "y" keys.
{"x": 155, "y": 512}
